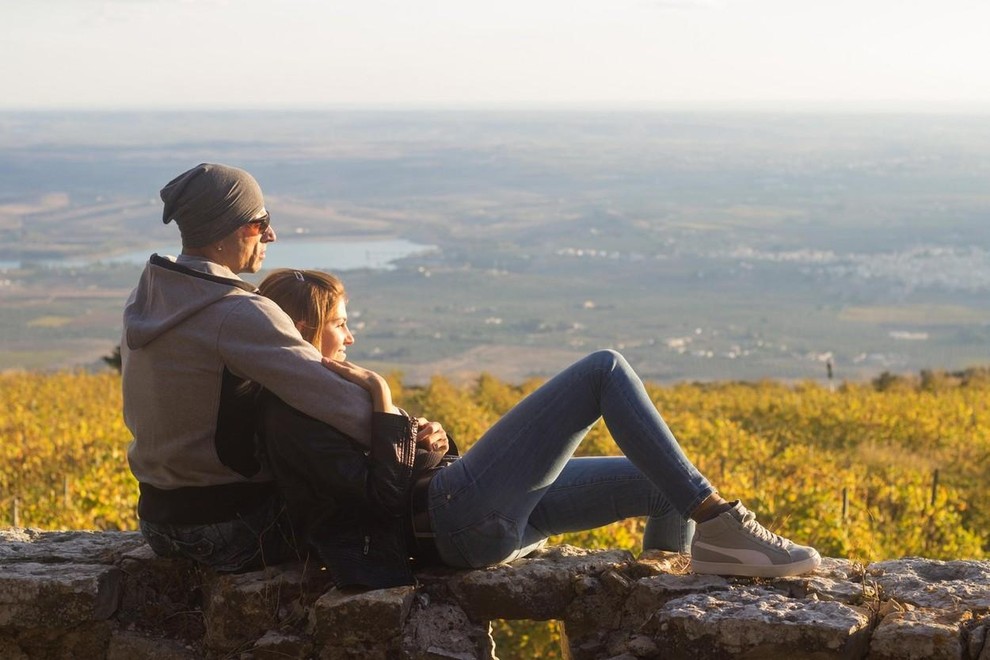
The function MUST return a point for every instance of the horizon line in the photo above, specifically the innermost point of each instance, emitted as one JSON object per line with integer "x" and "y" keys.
{"x": 880, "y": 106}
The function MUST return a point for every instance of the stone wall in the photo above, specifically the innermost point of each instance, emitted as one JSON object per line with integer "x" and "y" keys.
{"x": 105, "y": 595}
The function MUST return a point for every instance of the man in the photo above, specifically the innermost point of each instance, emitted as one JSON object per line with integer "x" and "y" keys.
{"x": 195, "y": 336}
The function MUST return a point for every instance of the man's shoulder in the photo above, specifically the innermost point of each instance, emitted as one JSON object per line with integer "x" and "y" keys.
{"x": 253, "y": 305}
{"x": 254, "y": 318}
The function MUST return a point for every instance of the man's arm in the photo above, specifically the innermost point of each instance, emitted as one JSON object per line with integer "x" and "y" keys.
{"x": 259, "y": 341}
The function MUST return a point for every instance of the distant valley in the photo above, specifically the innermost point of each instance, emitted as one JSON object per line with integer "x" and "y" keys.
{"x": 705, "y": 246}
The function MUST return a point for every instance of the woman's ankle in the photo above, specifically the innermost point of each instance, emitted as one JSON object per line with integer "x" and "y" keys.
{"x": 713, "y": 505}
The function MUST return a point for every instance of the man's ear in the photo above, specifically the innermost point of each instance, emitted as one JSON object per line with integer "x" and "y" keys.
{"x": 299, "y": 326}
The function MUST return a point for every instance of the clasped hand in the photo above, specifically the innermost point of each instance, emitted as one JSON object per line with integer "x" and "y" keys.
{"x": 431, "y": 436}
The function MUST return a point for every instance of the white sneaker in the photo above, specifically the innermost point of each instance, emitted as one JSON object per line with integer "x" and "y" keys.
{"x": 733, "y": 543}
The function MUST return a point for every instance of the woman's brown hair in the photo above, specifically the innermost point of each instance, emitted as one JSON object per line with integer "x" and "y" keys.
{"x": 307, "y": 296}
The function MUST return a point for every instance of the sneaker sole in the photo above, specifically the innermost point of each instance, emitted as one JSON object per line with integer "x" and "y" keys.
{"x": 749, "y": 570}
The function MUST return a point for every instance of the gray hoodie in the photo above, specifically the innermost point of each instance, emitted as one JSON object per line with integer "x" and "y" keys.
{"x": 194, "y": 332}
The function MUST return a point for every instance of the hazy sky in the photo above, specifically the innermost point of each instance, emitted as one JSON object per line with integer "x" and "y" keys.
{"x": 306, "y": 53}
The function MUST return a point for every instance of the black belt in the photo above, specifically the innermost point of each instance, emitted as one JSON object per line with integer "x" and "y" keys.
{"x": 424, "y": 547}
{"x": 420, "y": 504}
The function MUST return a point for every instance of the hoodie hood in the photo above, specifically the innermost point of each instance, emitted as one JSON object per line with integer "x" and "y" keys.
{"x": 171, "y": 290}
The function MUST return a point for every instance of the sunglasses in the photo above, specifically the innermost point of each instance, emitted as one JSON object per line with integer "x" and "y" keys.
{"x": 263, "y": 223}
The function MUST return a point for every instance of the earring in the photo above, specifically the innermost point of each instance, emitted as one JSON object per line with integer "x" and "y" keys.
{"x": 219, "y": 248}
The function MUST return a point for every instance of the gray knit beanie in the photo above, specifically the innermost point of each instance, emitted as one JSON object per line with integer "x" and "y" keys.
{"x": 210, "y": 201}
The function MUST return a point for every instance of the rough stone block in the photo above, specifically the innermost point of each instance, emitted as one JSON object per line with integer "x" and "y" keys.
{"x": 978, "y": 641}
{"x": 933, "y": 584}
{"x": 920, "y": 635}
{"x": 635, "y": 646}
{"x": 57, "y": 595}
{"x": 660, "y": 562}
{"x": 34, "y": 546}
{"x": 89, "y": 640}
{"x": 161, "y": 596}
{"x": 128, "y": 645}
{"x": 362, "y": 625}
{"x": 598, "y": 621}
{"x": 653, "y": 592}
{"x": 443, "y": 630}
{"x": 599, "y": 618}
{"x": 840, "y": 580}
{"x": 10, "y": 649}
{"x": 537, "y": 588}
{"x": 758, "y": 623}
{"x": 240, "y": 608}
{"x": 275, "y": 645}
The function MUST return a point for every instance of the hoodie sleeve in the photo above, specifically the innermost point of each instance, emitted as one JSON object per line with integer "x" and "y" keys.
{"x": 258, "y": 341}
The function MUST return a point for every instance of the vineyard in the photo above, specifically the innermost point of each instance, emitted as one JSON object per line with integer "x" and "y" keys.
{"x": 868, "y": 471}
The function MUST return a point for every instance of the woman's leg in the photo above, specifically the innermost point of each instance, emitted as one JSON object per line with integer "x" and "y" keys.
{"x": 480, "y": 506}
{"x": 594, "y": 491}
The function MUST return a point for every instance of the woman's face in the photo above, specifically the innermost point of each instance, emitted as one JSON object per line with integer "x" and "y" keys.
{"x": 336, "y": 336}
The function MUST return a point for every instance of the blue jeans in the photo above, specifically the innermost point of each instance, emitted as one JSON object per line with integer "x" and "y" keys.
{"x": 520, "y": 483}
{"x": 254, "y": 540}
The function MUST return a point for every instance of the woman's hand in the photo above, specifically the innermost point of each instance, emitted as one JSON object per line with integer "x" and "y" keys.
{"x": 431, "y": 435}
{"x": 373, "y": 383}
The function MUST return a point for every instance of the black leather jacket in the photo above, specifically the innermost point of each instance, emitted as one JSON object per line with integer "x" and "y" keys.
{"x": 350, "y": 504}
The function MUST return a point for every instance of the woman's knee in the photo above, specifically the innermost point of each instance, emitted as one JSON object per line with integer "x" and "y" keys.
{"x": 606, "y": 359}
{"x": 608, "y": 363}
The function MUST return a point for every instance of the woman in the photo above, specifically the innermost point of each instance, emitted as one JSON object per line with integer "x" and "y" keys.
{"x": 365, "y": 511}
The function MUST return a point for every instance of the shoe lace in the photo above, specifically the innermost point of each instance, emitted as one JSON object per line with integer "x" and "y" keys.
{"x": 751, "y": 525}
